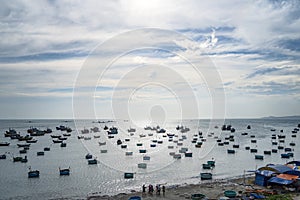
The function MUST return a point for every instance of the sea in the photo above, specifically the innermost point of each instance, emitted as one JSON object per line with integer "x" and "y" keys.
{"x": 107, "y": 176}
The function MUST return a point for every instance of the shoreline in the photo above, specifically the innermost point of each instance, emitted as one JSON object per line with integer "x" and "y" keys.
{"x": 211, "y": 189}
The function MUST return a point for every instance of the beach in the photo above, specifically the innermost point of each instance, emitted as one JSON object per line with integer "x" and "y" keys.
{"x": 212, "y": 189}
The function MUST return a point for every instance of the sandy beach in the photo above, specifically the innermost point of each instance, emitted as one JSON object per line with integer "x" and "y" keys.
{"x": 213, "y": 190}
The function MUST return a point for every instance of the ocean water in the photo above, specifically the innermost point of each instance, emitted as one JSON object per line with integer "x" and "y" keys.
{"x": 107, "y": 177}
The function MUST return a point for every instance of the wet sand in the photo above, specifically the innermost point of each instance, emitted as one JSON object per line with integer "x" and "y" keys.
{"x": 212, "y": 189}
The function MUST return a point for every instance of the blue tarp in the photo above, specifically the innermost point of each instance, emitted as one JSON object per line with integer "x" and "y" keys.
{"x": 280, "y": 181}
{"x": 265, "y": 172}
{"x": 282, "y": 169}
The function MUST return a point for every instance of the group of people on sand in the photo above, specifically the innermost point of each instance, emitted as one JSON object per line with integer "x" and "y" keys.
{"x": 158, "y": 189}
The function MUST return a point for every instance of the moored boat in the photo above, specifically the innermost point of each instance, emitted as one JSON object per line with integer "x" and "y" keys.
{"x": 64, "y": 172}
{"x": 206, "y": 176}
{"x": 4, "y": 144}
{"x": 33, "y": 174}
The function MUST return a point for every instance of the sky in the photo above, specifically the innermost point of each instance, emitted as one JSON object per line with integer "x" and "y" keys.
{"x": 149, "y": 59}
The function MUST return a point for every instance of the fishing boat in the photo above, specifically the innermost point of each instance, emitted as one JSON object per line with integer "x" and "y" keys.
{"x": 92, "y": 161}
{"x": 130, "y": 130}
{"x": 112, "y": 130}
{"x": 253, "y": 150}
{"x": 139, "y": 144}
{"x": 142, "y": 150}
{"x": 57, "y": 141}
{"x": 63, "y": 144}
{"x": 67, "y": 134}
{"x": 267, "y": 152}
{"x": 146, "y": 157}
{"x": 103, "y": 151}
{"x": 17, "y": 159}
{"x": 128, "y": 175}
{"x": 95, "y": 129}
{"x": 102, "y": 143}
{"x": 142, "y": 165}
{"x": 123, "y": 146}
{"x": 4, "y": 144}
{"x": 274, "y": 150}
{"x": 247, "y": 148}
{"x": 80, "y": 137}
{"x": 206, "y": 166}
{"x": 259, "y": 157}
{"x": 285, "y": 155}
{"x": 2, "y": 157}
{"x": 23, "y": 145}
{"x": 85, "y": 131}
{"x": 87, "y": 138}
{"x": 127, "y": 139}
{"x": 64, "y": 172}
{"x": 47, "y": 149}
{"x": 135, "y": 198}
{"x": 119, "y": 142}
{"x": 96, "y": 136}
{"x": 40, "y": 153}
{"x": 88, "y": 156}
{"x": 287, "y": 149}
{"x": 33, "y": 174}
{"x": 198, "y": 196}
{"x": 152, "y": 145}
{"x": 206, "y": 176}
{"x": 230, "y": 151}
{"x": 31, "y": 141}
{"x": 128, "y": 153}
{"x": 62, "y": 138}
{"x": 177, "y": 156}
{"x": 230, "y": 194}
{"x": 188, "y": 154}
{"x": 23, "y": 151}
{"x": 24, "y": 160}
{"x": 211, "y": 163}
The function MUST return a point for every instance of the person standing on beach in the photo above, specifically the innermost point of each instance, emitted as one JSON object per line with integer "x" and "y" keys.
{"x": 144, "y": 188}
{"x": 163, "y": 190}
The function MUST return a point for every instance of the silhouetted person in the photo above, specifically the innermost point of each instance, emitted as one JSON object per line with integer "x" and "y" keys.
{"x": 163, "y": 190}
{"x": 158, "y": 189}
{"x": 144, "y": 188}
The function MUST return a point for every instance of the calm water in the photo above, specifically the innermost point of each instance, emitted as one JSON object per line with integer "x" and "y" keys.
{"x": 107, "y": 176}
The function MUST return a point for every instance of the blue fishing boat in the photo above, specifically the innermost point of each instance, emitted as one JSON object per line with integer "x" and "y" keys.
{"x": 128, "y": 175}
{"x": 92, "y": 162}
{"x": 3, "y": 156}
{"x": 230, "y": 151}
{"x": 64, "y": 172}
{"x": 33, "y": 174}
{"x": 88, "y": 156}
{"x": 135, "y": 198}
{"x": 259, "y": 157}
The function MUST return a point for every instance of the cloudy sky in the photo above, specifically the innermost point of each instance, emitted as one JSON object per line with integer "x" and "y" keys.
{"x": 253, "y": 48}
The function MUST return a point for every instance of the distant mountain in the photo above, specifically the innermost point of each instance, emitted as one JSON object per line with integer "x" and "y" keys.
{"x": 282, "y": 117}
